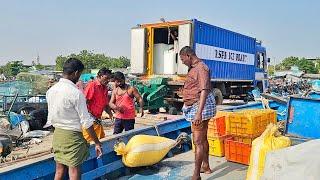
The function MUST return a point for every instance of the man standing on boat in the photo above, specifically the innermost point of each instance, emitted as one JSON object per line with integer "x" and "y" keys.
{"x": 96, "y": 93}
{"x": 199, "y": 107}
{"x": 68, "y": 113}
{"x": 122, "y": 102}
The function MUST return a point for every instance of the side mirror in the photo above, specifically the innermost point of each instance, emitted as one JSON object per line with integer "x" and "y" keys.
{"x": 269, "y": 60}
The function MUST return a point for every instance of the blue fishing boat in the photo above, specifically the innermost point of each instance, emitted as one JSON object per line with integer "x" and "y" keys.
{"x": 110, "y": 165}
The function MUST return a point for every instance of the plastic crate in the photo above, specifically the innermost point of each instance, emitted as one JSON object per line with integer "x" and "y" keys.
{"x": 216, "y": 146}
{"x": 236, "y": 151}
{"x": 243, "y": 139}
{"x": 268, "y": 113}
{"x": 223, "y": 113}
{"x": 216, "y": 127}
{"x": 249, "y": 123}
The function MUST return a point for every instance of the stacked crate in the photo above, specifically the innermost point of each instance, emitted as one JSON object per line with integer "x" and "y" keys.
{"x": 243, "y": 127}
{"x": 216, "y": 135}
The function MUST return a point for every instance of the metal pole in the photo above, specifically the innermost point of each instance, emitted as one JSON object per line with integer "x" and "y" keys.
{"x": 14, "y": 100}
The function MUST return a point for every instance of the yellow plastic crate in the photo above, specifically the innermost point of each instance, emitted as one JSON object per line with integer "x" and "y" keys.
{"x": 216, "y": 146}
{"x": 249, "y": 123}
{"x": 268, "y": 113}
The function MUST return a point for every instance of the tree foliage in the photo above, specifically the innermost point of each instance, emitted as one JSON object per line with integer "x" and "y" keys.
{"x": 307, "y": 66}
{"x": 12, "y": 68}
{"x": 271, "y": 69}
{"x": 40, "y": 67}
{"x": 288, "y": 62}
{"x": 94, "y": 61}
{"x": 303, "y": 64}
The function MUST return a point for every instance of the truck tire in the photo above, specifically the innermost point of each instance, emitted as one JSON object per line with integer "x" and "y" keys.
{"x": 173, "y": 111}
{"x": 217, "y": 96}
{"x": 7, "y": 146}
{"x": 38, "y": 118}
{"x": 154, "y": 111}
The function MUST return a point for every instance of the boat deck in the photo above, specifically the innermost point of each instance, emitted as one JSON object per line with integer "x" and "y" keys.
{"x": 181, "y": 167}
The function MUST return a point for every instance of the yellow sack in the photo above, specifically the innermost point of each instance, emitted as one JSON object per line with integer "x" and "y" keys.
{"x": 269, "y": 140}
{"x": 144, "y": 150}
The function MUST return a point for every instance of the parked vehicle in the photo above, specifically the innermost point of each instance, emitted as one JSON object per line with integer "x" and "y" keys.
{"x": 237, "y": 62}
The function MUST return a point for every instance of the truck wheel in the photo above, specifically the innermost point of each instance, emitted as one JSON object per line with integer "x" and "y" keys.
{"x": 173, "y": 111}
{"x": 7, "y": 146}
{"x": 217, "y": 96}
{"x": 154, "y": 111}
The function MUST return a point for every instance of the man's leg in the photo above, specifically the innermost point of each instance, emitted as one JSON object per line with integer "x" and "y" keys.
{"x": 60, "y": 171}
{"x": 74, "y": 173}
{"x": 129, "y": 124}
{"x": 99, "y": 131}
{"x": 118, "y": 127}
{"x": 198, "y": 140}
{"x": 205, "y": 163}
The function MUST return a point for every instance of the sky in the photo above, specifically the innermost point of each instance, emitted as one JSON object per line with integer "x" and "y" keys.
{"x": 60, "y": 27}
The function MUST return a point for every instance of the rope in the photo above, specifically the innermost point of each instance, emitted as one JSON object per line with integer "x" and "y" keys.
{"x": 107, "y": 123}
{"x": 282, "y": 113}
{"x": 157, "y": 129}
{"x": 265, "y": 103}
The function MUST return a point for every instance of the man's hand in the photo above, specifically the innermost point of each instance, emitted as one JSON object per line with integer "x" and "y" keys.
{"x": 111, "y": 117}
{"x": 180, "y": 92}
{"x": 142, "y": 112}
{"x": 98, "y": 148}
{"x": 119, "y": 109}
{"x": 197, "y": 119}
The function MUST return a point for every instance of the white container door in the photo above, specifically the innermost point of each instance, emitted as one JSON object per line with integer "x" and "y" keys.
{"x": 184, "y": 39}
{"x": 138, "y": 51}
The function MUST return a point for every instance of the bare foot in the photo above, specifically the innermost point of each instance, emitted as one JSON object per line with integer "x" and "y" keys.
{"x": 196, "y": 178}
{"x": 206, "y": 170}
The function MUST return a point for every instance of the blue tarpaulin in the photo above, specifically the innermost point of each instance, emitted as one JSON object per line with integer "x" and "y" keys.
{"x": 87, "y": 77}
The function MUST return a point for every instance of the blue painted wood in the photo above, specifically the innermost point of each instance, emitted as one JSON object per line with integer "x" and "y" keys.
{"x": 258, "y": 105}
{"x": 303, "y": 119}
{"x": 98, "y": 172}
{"x": 314, "y": 95}
{"x": 39, "y": 169}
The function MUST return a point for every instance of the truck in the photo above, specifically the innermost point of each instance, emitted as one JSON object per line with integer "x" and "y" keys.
{"x": 237, "y": 62}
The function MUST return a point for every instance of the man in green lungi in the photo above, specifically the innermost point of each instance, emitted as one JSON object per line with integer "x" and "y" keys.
{"x": 68, "y": 113}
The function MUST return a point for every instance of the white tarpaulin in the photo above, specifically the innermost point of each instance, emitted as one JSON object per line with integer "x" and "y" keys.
{"x": 296, "y": 162}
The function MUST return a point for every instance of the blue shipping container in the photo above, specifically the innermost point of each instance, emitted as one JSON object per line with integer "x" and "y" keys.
{"x": 229, "y": 55}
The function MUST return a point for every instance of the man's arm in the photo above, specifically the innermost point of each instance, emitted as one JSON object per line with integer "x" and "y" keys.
{"x": 87, "y": 122}
{"x": 89, "y": 92}
{"x": 49, "y": 119}
{"x": 139, "y": 99}
{"x": 108, "y": 110}
{"x": 112, "y": 102}
{"x": 93, "y": 135}
{"x": 172, "y": 36}
{"x": 202, "y": 101}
